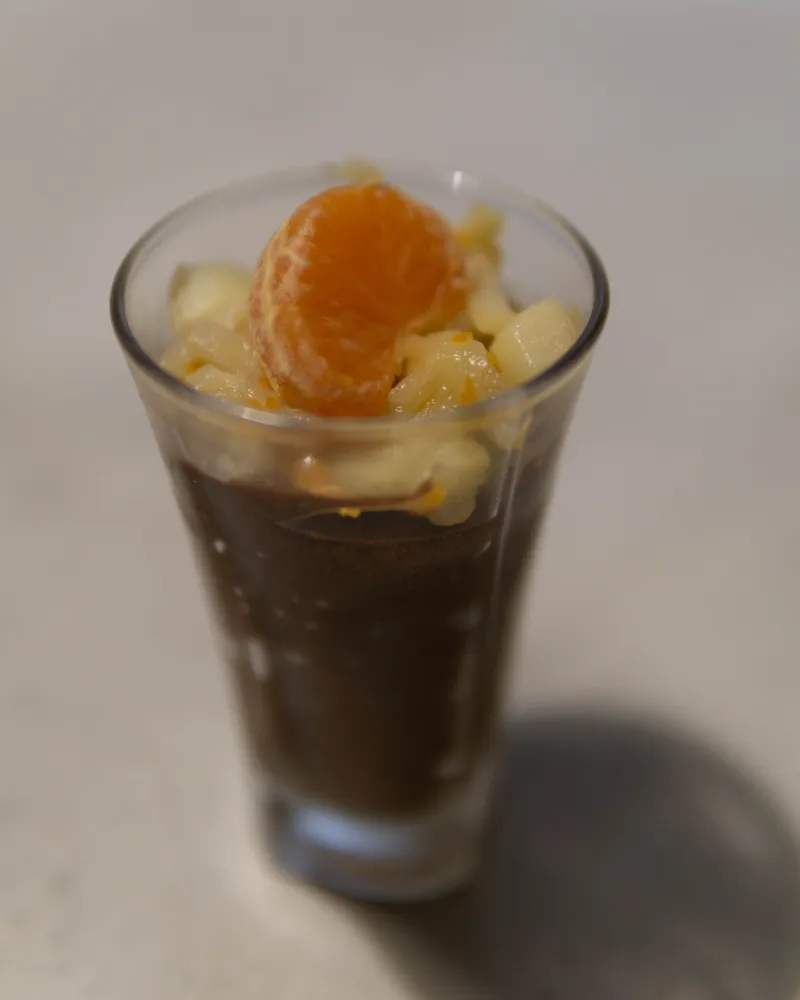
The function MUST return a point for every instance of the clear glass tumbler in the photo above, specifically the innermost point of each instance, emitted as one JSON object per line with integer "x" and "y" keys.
{"x": 368, "y": 652}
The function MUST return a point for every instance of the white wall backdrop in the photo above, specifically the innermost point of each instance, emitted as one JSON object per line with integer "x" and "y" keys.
{"x": 670, "y": 575}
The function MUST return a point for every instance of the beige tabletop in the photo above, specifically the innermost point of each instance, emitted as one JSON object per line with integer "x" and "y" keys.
{"x": 630, "y": 861}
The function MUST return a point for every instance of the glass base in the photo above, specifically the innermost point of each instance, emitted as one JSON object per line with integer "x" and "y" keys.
{"x": 376, "y": 860}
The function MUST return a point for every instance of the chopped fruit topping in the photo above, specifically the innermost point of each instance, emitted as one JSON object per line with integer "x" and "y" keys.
{"x": 468, "y": 393}
{"x": 178, "y": 361}
{"x": 430, "y": 500}
{"x": 397, "y": 472}
{"x": 480, "y": 230}
{"x": 460, "y": 469}
{"x": 352, "y": 270}
{"x": 534, "y": 340}
{"x": 487, "y": 306}
{"x": 437, "y": 479}
{"x": 221, "y": 363}
{"x": 444, "y": 373}
{"x": 210, "y": 343}
{"x": 219, "y": 383}
{"x": 214, "y": 292}
{"x": 366, "y": 302}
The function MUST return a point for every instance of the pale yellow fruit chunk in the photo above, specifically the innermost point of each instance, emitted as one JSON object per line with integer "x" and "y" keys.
{"x": 208, "y": 352}
{"x": 393, "y": 471}
{"x": 411, "y": 348}
{"x": 435, "y": 479}
{"x": 444, "y": 371}
{"x": 177, "y": 360}
{"x": 214, "y": 292}
{"x": 487, "y": 305}
{"x": 259, "y": 391}
{"x": 534, "y": 340}
{"x": 460, "y": 469}
{"x": 480, "y": 229}
{"x": 208, "y": 343}
{"x": 216, "y": 382}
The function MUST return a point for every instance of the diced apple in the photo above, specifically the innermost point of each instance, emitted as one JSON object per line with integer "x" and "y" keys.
{"x": 460, "y": 468}
{"x": 489, "y": 310}
{"x": 480, "y": 230}
{"x": 177, "y": 360}
{"x": 259, "y": 391}
{"x": 216, "y": 382}
{"x": 215, "y": 292}
{"x": 210, "y": 343}
{"x": 411, "y": 348}
{"x": 487, "y": 305}
{"x": 396, "y": 471}
{"x": 534, "y": 340}
{"x": 437, "y": 479}
{"x": 443, "y": 373}
{"x": 245, "y": 457}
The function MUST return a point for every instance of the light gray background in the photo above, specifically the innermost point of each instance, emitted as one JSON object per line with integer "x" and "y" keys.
{"x": 670, "y": 575}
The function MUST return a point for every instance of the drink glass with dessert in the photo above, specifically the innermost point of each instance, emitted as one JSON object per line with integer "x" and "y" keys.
{"x": 360, "y": 382}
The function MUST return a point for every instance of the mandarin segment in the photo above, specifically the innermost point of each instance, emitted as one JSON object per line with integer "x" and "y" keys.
{"x": 355, "y": 268}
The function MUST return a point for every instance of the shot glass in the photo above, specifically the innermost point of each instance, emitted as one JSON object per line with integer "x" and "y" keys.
{"x": 367, "y": 639}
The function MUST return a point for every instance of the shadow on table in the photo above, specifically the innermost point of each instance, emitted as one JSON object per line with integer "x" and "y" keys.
{"x": 626, "y": 863}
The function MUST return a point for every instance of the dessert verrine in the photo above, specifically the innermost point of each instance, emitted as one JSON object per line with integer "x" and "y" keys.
{"x": 367, "y": 586}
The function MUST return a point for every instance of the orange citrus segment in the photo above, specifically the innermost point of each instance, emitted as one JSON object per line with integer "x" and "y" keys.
{"x": 353, "y": 269}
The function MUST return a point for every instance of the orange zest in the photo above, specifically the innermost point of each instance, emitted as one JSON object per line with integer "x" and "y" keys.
{"x": 468, "y": 393}
{"x": 430, "y": 500}
{"x": 353, "y": 269}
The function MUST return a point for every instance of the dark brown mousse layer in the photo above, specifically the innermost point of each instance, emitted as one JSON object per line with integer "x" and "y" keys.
{"x": 368, "y": 652}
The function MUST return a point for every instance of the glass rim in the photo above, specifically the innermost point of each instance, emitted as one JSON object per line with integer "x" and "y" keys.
{"x": 454, "y": 179}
